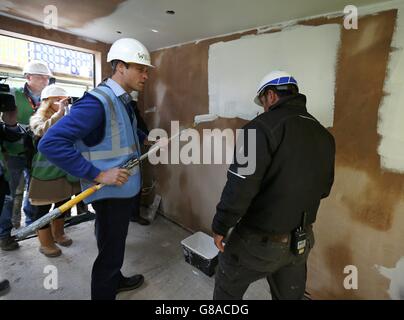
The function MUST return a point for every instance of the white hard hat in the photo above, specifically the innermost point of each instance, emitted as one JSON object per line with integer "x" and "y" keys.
{"x": 130, "y": 51}
{"x": 37, "y": 67}
{"x": 53, "y": 91}
{"x": 274, "y": 78}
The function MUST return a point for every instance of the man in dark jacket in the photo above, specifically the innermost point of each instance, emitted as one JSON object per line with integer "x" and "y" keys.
{"x": 272, "y": 210}
{"x": 9, "y": 131}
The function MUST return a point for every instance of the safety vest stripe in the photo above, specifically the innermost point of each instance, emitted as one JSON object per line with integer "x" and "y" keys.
{"x": 41, "y": 164}
{"x": 115, "y": 136}
{"x": 115, "y": 152}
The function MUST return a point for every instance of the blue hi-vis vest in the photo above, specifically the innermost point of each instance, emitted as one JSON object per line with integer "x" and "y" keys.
{"x": 120, "y": 143}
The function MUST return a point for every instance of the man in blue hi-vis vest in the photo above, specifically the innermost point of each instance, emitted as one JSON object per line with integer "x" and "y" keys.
{"x": 91, "y": 142}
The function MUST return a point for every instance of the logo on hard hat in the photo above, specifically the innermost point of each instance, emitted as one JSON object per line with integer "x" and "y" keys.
{"x": 143, "y": 56}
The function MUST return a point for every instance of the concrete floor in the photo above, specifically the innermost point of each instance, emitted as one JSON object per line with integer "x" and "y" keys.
{"x": 155, "y": 251}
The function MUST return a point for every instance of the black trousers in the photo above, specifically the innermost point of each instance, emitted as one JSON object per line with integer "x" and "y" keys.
{"x": 248, "y": 258}
{"x": 42, "y": 210}
{"x": 136, "y": 206}
{"x": 4, "y": 189}
{"x": 111, "y": 228}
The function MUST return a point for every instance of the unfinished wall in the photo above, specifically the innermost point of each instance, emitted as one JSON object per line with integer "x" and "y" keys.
{"x": 230, "y": 95}
{"x": 178, "y": 88}
{"x": 362, "y": 222}
{"x": 355, "y": 226}
{"x": 37, "y": 31}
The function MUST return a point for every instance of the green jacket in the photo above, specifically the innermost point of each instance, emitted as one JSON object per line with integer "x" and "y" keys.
{"x": 44, "y": 170}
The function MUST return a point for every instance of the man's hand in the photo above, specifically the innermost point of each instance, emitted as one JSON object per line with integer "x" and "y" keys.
{"x": 219, "y": 241}
{"x": 114, "y": 176}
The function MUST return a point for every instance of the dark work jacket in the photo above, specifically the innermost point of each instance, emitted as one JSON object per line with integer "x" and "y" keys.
{"x": 294, "y": 171}
{"x": 10, "y": 134}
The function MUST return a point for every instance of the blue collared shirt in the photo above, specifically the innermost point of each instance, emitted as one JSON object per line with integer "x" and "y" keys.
{"x": 125, "y": 97}
{"x": 115, "y": 86}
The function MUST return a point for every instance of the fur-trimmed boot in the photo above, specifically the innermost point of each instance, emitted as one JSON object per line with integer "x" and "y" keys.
{"x": 48, "y": 247}
{"x": 58, "y": 232}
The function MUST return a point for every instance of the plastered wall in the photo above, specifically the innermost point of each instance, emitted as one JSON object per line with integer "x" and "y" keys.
{"x": 362, "y": 222}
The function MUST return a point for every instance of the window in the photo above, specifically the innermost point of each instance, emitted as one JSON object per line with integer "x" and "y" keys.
{"x": 74, "y": 70}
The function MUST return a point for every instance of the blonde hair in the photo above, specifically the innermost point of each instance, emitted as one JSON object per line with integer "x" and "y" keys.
{"x": 45, "y": 111}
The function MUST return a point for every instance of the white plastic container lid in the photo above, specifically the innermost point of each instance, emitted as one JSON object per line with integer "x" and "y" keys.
{"x": 202, "y": 244}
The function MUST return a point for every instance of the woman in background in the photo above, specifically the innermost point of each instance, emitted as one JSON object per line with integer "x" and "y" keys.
{"x": 50, "y": 185}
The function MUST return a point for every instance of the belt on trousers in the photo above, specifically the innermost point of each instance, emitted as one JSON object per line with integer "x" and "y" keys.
{"x": 264, "y": 237}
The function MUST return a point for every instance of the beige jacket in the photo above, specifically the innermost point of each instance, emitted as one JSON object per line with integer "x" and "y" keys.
{"x": 39, "y": 123}
{"x": 53, "y": 191}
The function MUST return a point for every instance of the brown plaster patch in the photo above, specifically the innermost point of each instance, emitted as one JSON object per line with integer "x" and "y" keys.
{"x": 360, "y": 79}
{"x": 361, "y": 71}
{"x": 337, "y": 258}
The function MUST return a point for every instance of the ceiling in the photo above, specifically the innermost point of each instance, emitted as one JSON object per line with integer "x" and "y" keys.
{"x": 193, "y": 19}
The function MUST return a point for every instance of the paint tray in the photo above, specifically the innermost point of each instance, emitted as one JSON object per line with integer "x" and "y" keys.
{"x": 200, "y": 251}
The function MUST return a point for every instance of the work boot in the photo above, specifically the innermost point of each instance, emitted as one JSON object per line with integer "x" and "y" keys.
{"x": 48, "y": 247}
{"x": 9, "y": 244}
{"x": 58, "y": 232}
{"x": 140, "y": 220}
{"x": 4, "y": 287}
{"x": 131, "y": 283}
